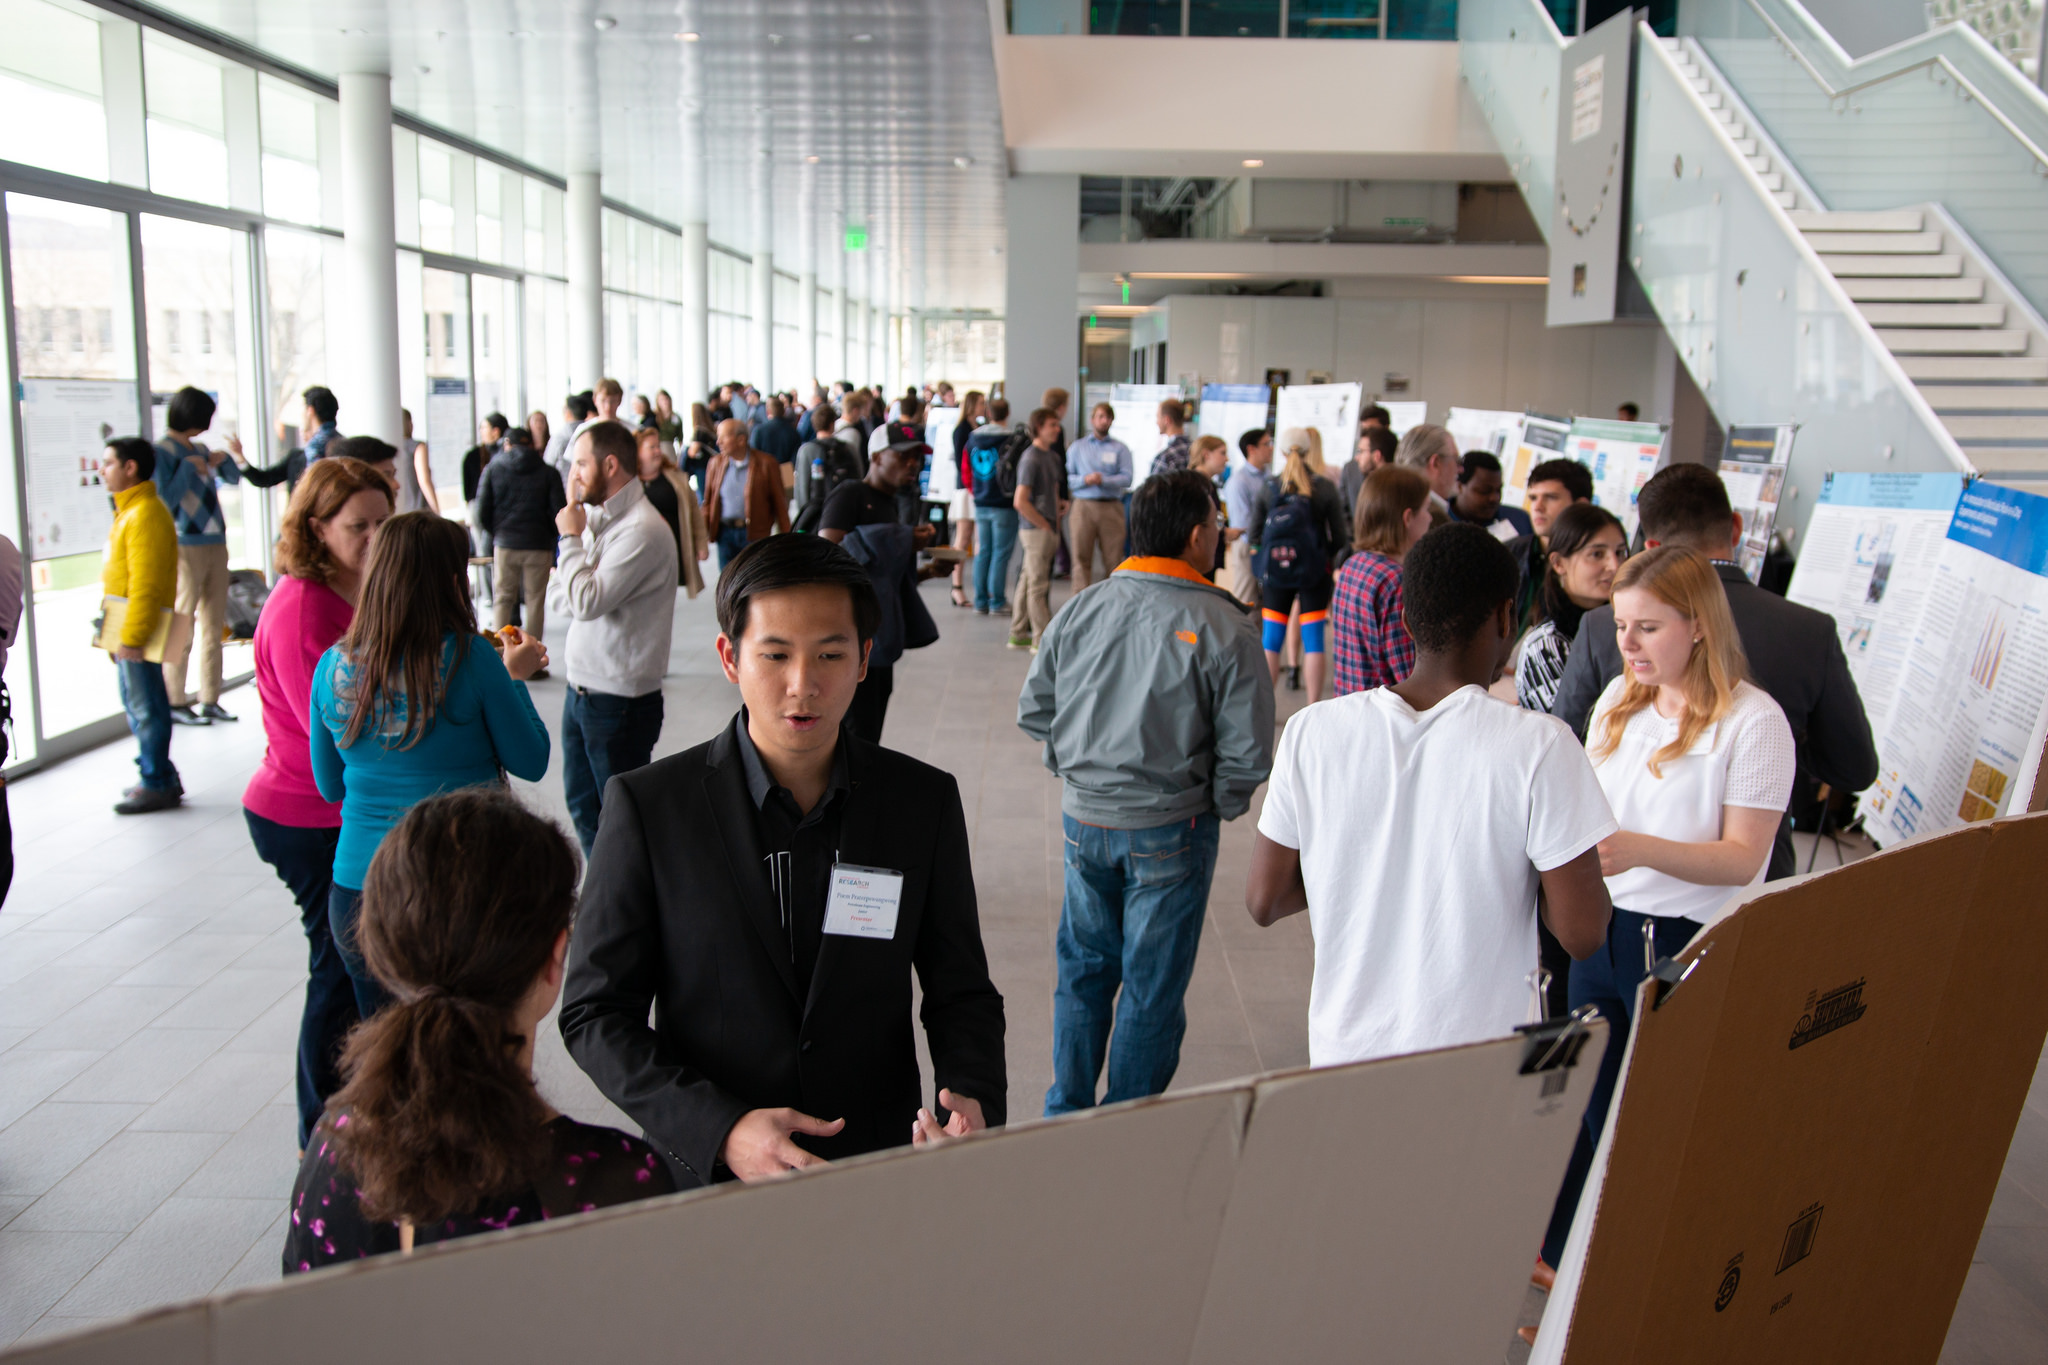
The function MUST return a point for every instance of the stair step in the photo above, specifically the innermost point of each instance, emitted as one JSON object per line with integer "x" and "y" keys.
{"x": 1786, "y": 199}
{"x": 1935, "y": 314}
{"x": 1883, "y": 220}
{"x": 2005, "y": 463}
{"x": 1711, "y": 98}
{"x": 1877, "y": 243}
{"x": 1997, "y": 428}
{"x": 1748, "y": 147}
{"x": 1986, "y": 397}
{"x": 1958, "y": 289}
{"x": 1935, "y": 341}
{"x": 1773, "y": 180}
{"x": 1842, "y": 266}
{"x": 1937, "y": 369}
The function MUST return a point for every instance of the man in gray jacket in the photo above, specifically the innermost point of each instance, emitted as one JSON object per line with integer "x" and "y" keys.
{"x": 1151, "y": 696}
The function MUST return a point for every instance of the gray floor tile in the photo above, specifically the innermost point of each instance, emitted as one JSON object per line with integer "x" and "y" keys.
{"x": 11, "y": 1207}
{"x": 1994, "y": 1324}
{"x": 44, "y": 1145}
{"x": 146, "y": 1066}
{"x": 258, "y": 1162}
{"x": 107, "y": 1018}
{"x": 262, "y": 1263}
{"x": 121, "y": 1184}
{"x": 28, "y": 1077}
{"x": 25, "y": 953}
{"x": 39, "y": 1268}
{"x": 179, "y": 1252}
{"x": 190, "y": 961}
{"x": 234, "y": 997}
{"x": 134, "y": 939}
{"x": 274, "y": 1030}
{"x": 34, "y": 1002}
{"x": 221, "y": 1095}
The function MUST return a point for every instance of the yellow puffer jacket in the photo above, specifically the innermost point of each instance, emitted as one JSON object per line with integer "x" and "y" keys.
{"x": 142, "y": 560}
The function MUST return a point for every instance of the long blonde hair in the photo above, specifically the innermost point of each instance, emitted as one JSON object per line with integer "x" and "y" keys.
{"x": 1683, "y": 580}
{"x": 1303, "y": 447}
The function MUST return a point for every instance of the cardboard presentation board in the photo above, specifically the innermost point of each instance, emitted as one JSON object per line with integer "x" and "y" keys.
{"x": 1868, "y": 561}
{"x": 1330, "y": 409}
{"x": 1812, "y": 1124}
{"x": 1390, "y": 1201}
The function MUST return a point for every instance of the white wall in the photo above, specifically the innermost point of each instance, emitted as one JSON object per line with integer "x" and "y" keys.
{"x": 1041, "y": 324}
{"x": 1468, "y": 346}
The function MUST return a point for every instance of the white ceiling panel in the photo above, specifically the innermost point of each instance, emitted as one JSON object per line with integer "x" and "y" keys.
{"x": 895, "y": 99}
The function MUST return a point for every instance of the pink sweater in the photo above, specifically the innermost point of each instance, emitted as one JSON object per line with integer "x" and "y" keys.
{"x": 300, "y": 620}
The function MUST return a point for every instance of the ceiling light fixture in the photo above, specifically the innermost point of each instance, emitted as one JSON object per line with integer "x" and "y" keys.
{"x": 963, "y": 162}
{"x": 775, "y": 38}
{"x": 811, "y": 160}
{"x": 686, "y": 37}
{"x": 1252, "y": 163}
{"x": 863, "y": 37}
{"x": 605, "y": 23}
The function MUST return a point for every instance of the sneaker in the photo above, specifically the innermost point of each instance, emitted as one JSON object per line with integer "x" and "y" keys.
{"x": 981, "y": 611}
{"x": 144, "y": 800}
{"x": 189, "y": 715}
{"x": 1023, "y": 642}
{"x": 213, "y": 710}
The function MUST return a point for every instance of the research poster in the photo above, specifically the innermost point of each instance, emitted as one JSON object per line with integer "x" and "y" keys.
{"x": 1622, "y": 456}
{"x": 1536, "y": 439}
{"x": 941, "y": 476}
{"x": 1230, "y": 410}
{"x": 1969, "y": 696}
{"x": 1137, "y": 422}
{"x": 65, "y": 424}
{"x": 1753, "y": 471}
{"x": 1403, "y": 415}
{"x": 451, "y": 429}
{"x": 1331, "y": 409}
{"x": 1868, "y": 561}
{"x": 1481, "y": 429}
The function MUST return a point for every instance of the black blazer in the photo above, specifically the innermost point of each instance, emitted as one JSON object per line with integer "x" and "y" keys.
{"x": 677, "y": 914}
{"x": 1794, "y": 654}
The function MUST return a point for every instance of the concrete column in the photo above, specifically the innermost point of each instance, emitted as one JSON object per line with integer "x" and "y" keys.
{"x": 696, "y": 310}
{"x": 584, "y": 229}
{"x": 811, "y": 367}
{"x": 1042, "y": 261}
{"x": 763, "y": 282}
{"x": 370, "y": 249}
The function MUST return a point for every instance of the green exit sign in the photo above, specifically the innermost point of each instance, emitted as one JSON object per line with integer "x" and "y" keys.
{"x": 856, "y": 239}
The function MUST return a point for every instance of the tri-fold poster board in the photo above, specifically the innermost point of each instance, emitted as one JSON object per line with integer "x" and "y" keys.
{"x": 1621, "y": 457}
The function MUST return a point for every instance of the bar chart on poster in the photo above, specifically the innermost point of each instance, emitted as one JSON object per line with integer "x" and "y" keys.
{"x": 65, "y": 424}
{"x": 1965, "y": 716}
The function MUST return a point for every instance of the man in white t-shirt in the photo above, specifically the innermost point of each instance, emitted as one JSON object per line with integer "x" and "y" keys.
{"x": 1416, "y": 823}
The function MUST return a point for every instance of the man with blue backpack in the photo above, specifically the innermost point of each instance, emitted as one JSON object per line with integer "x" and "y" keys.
{"x": 992, "y": 455}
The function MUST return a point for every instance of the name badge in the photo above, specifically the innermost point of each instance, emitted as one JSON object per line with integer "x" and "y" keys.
{"x": 863, "y": 901}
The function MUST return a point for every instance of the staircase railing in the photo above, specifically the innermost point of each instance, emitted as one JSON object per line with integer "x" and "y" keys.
{"x": 1508, "y": 54}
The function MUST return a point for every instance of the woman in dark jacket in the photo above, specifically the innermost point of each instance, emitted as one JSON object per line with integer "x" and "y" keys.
{"x": 1308, "y": 512}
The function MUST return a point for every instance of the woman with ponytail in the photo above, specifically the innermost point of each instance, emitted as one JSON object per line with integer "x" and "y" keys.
{"x": 439, "y": 1131}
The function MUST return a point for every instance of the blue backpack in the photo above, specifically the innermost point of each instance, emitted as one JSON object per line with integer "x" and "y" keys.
{"x": 1291, "y": 553}
{"x": 992, "y": 458}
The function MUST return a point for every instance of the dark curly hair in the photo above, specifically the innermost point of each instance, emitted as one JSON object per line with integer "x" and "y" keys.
{"x": 1451, "y": 582}
{"x": 461, "y": 911}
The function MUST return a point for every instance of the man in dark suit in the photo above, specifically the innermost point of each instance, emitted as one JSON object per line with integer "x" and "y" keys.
{"x": 742, "y": 889}
{"x": 1794, "y": 652}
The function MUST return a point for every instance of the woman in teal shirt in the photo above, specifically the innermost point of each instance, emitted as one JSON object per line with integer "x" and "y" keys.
{"x": 413, "y": 702}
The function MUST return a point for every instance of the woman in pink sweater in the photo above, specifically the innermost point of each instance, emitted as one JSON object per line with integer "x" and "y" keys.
{"x": 334, "y": 515}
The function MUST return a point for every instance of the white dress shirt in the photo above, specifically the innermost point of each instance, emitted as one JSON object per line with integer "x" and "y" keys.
{"x": 619, "y": 578}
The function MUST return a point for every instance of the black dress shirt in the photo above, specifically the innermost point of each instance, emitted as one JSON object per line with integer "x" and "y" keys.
{"x": 798, "y": 849}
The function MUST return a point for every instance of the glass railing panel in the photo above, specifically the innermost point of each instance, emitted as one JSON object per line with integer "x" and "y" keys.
{"x": 1508, "y": 52}
{"x": 1759, "y": 323}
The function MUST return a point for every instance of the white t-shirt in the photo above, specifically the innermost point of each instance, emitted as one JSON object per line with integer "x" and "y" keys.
{"x": 1746, "y": 759}
{"x": 1421, "y": 835}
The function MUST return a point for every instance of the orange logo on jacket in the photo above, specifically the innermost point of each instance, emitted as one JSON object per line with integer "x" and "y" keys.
{"x": 1188, "y": 636}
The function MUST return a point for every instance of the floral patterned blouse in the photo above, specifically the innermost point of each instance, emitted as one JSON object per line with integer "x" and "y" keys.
{"x": 593, "y": 1168}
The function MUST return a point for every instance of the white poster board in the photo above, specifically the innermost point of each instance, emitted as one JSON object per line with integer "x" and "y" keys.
{"x": 1622, "y": 456}
{"x": 450, "y": 431}
{"x": 1868, "y": 561}
{"x": 941, "y": 476}
{"x": 65, "y": 424}
{"x": 1137, "y": 422}
{"x": 1330, "y": 409}
{"x": 1484, "y": 429}
{"x": 1536, "y": 439}
{"x": 1403, "y": 415}
{"x": 1230, "y": 410}
{"x": 1753, "y": 464}
{"x": 1970, "y": 693}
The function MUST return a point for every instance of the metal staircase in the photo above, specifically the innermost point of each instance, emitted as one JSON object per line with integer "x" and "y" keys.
{"x": 1776, "y": 173}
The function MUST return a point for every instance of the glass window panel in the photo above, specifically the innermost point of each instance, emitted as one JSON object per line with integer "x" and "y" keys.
{"x": 437, "y": 198}
{"x": 1430, "y": 20}
{"x": 1234, "y": 18}
{"x": 493, "y": 313}
{"x": 187, "y": 124}
{"x": 1156, "y": 17}
{"x": 1334, "y": 18}
{"x": 449, "y": 426}
{"x": 73, "y": 321}
{"x": 490, "y": 213}
{"x": 50, "y": 109}
{"x": 290, "y": 119}
{"x": 535, "y": 219}
{"x": 295, "y": 268}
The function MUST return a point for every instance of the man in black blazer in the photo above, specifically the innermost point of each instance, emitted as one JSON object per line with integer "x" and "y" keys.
{"x": 718, "y": 895}
{"x": 1794, "y": 652}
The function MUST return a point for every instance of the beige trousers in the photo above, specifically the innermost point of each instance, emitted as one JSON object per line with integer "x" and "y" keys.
{"x": 1093, "y": 522}
{"x": 1237, "y": 572}
{"x": 1033, "y": 609}
{"x": 197, "y": 616}
{"x": 521, "y": 574}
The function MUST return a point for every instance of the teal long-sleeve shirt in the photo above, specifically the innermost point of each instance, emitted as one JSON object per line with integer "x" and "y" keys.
{"x": 485, "y": 721}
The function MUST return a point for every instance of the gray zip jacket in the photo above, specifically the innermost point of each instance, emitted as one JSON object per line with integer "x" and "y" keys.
{"x": 1151, "y": 696}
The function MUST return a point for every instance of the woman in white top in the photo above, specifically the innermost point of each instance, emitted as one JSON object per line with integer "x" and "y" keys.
{"x": 1697, "y": 766}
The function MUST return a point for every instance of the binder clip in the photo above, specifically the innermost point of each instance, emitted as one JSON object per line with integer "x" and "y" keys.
{"x": 1670, "y": 974}
{"x": 1555, "y": 1044}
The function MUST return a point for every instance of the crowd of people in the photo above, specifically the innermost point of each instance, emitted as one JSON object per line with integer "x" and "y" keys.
{"x": 1582, "y": 822}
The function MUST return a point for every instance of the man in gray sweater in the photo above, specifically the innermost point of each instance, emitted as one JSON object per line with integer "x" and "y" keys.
{"x": 1151, "y": 696}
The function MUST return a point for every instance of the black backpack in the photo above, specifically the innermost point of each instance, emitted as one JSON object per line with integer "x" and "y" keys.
{"x": 838, "y": 466}
{"x": 247, "y": 593}
{"x": 994, "y": 462}
{"x": 1291, "y": 554}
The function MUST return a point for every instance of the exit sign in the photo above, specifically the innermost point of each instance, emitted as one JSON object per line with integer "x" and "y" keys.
{"x": 856, "y": 239}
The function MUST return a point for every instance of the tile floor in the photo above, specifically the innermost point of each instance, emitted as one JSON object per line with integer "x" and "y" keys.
{"x": 151, "y": 970}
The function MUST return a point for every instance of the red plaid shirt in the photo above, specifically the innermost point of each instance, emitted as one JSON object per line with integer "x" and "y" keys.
{"x": 1369, "y": 645}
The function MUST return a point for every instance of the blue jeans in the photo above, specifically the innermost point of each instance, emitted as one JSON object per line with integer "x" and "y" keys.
{"x": 1133, "y": 916}
{"x": 148, "y": 704}
{"x": 731, "y": 540}
{"x": 996, "y": 534}
{"x": 304, "y": 860}
{"x": 344, "y": 908}
{"x": 603, "y": 735}
{"x": 1608, "y": 981}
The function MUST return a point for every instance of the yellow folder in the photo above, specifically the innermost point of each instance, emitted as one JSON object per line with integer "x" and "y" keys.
{"x": 113, "y": 612}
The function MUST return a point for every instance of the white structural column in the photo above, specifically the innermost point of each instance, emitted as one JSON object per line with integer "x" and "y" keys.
{"x": 1042, "y": 258}
{"x": 696, "y": 312}
{"x": 762, "y": 369}
{"x": 370, "y": 249}
{"x": 584, "y": 230}
{"x": 812, "y": 369}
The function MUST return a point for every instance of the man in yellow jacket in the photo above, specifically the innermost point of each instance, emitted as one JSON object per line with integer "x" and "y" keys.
{"x": 142, "y": 567}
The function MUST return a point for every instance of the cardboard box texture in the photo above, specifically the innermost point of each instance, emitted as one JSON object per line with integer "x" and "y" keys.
{"x": 1814, "y": 1123}
{"x": 1391, "y": 1201}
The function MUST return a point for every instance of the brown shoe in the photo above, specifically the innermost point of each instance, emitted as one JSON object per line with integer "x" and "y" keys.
{"x": 1543, "y": 1277}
